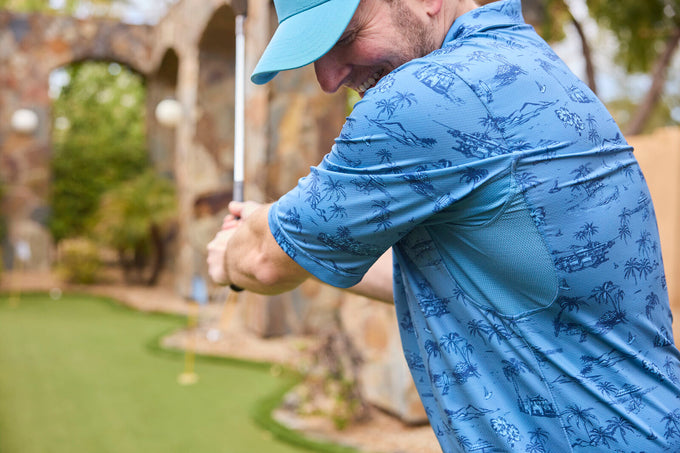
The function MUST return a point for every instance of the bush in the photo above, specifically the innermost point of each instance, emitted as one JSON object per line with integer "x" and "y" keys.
{"x": 78, "y": 261}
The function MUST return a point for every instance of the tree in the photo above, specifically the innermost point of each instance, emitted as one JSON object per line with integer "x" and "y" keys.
{"x": 99, "y": 141}
{"x": 133, "y": 219}
{"x": 550, "y": 17}
{"x": 649, "y": 35}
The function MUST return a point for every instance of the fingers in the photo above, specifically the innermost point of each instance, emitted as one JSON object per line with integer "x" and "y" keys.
{"x": 216, "y": 257}
{"x": 238, "y": 211}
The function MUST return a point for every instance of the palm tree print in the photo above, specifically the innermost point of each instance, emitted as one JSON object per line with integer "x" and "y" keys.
{"x": 607, "y": 293}
{"x": 600, "y": 436}
{"x": 569, "y": 304}
{"x": 637, "y": 268}
{"x": 644, "y": 243}
{"x": 672, "y": 420}
{"x": 335, "y": 191}
{"x": 478, "y": 328}
{"x": 432, "y": 349}
{"x": 292, "y": 217}
{"x": 590, "y": 187}
{"x": 537, "y": 440}
{"x": 620, "y": 425}
{"x": 593, "y": 135}
{"x": 526, "y": 180}
{"x": 499, "y": 331}
{"x": 454, "y": 343}
{"x": 607, "y": 388}
{"x": 396, "y": 102}
{"x": 586, "y": 233}
{"x": 337, "y": 211}
{"x": 385, "y": 156}
{"x": 583, "y": 418}
{"x": 670, "y": 369}
{"x": 382, "y": 215}
{"x": 652, "y": 302}
{"x": 512, "y": 369}
{"x": 474, "y": 175}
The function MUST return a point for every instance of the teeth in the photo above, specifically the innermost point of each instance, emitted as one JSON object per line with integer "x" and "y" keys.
{"x": 369, "y": 83}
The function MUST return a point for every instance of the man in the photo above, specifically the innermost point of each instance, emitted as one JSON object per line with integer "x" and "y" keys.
{"x": 527, "y": 275}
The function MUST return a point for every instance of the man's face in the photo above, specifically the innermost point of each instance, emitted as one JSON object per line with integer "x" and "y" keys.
{"x": 380, "y": 37}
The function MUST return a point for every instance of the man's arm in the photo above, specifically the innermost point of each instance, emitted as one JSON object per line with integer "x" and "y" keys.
{"x": 377, "y": 282}
{"x": 246, "y": 254}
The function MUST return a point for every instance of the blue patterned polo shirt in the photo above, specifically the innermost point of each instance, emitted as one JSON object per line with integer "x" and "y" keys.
{"x": 528, "y": 280}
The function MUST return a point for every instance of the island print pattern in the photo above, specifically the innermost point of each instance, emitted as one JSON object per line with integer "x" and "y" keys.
{"x": 490, "y": 125}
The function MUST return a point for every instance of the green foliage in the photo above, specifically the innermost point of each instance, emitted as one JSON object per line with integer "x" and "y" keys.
{"x": 128, "y": 212}
{"x": 68, "y": 6}
{"x": 78, "y": 261}
{"x": 130, "y": 219}
{"x": 556, "y": 16}
{"x": 623, "y": 110}
{"x": 99, "y": 141}
{"x": 642, "y": 27}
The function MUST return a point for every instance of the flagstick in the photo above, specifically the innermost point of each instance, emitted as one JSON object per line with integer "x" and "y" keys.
{"x": 189, "y": 376}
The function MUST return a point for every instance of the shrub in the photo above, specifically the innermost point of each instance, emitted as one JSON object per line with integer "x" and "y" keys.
{"x": 78, "y": 261}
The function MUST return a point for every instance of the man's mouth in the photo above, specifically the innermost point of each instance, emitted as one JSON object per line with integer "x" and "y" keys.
{"x": 369, "y": 83}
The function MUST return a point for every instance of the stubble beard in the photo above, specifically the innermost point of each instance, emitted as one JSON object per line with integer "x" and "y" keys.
{"x": 416, "y": 33}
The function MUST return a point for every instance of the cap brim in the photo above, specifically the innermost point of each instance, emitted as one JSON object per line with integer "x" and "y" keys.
{"x": 304, "y": 38}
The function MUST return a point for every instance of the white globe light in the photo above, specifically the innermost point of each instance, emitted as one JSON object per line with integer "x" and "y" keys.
{"x": 169, "y": 112}
{"x": 24, "y": 121}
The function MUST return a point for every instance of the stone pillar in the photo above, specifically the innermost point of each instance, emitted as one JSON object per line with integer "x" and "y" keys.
{"x": 187, "y": 96}
{"x": 385, "y": 379}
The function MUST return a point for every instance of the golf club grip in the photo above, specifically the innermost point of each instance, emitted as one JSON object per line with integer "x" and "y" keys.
{"x": 238, "y": 191}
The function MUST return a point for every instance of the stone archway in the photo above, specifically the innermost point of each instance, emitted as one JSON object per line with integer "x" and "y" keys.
{"x": 32, "y": 46}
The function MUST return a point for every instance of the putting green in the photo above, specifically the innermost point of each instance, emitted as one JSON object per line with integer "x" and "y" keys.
{"x": 78, "y": 374}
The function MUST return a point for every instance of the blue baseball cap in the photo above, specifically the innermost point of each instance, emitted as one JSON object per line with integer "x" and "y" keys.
{"x": 307, "y": 30}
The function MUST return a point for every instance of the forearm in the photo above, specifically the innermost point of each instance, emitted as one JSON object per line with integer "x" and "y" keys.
{"x": 377, "y": 282}
{"x": 256, "y": 262}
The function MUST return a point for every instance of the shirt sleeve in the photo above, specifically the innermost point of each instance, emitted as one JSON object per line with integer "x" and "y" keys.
{"x": 399, "y": 162}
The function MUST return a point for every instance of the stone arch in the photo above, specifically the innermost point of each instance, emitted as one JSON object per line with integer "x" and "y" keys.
{"x": 33, "y": 45}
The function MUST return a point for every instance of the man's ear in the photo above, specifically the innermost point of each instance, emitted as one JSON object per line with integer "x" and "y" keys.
{"x": 432, "y": 7}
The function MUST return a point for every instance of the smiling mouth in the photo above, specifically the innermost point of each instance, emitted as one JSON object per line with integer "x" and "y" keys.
{"x": 369, "y": 83}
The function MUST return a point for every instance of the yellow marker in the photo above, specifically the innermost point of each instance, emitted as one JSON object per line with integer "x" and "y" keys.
{"x": 189, "y": 376}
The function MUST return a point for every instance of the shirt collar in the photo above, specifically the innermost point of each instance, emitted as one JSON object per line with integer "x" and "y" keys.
{"x": 498, "y": 14}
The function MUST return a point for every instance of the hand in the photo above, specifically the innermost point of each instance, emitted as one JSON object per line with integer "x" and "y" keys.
{"x": 217, "y": 250}
{"x": 238, "y": 211}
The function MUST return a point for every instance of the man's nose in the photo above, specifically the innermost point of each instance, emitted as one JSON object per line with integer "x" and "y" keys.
{"x": 330, "y": 73}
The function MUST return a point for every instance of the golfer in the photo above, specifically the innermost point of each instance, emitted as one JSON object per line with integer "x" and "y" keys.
{"x": 523, "y": 254}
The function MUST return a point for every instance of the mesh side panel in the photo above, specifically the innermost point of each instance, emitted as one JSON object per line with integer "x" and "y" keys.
{"x": 504, "y": 265}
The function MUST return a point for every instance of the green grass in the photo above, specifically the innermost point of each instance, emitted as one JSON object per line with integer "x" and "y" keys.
{"x": 84, "y": 374}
